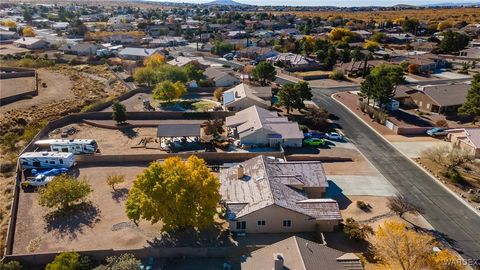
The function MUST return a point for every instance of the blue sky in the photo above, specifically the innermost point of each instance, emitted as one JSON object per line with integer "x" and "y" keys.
{"x": 341, "y": 3}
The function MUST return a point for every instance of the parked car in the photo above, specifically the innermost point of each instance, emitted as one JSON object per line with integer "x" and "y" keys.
{"x": 314, "y": 142}
{"x": 45, "y": 177}
{"x": 314, "y": 134}
{"x": 228, "y": 56}
{"x": 434, "y": 132}
{"x": 335, "y": 136}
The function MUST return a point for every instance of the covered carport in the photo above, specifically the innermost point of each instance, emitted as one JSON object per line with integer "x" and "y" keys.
{"x": 179, "y": 136}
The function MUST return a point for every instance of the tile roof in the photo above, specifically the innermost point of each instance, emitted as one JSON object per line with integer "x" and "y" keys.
{"x": 301, "y": 254}
{"x": 242, "y": 91}
{"x": 269, "y": 182}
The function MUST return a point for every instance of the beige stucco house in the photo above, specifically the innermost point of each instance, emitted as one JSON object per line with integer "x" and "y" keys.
{"x": 243, "y": 96}
{"x": 256, "y": 126}
{"x": 265, "y": 195}
{"x": 467, "y": 139}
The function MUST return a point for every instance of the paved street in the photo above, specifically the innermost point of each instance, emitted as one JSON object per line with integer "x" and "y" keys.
{"x": 448, "y": 215}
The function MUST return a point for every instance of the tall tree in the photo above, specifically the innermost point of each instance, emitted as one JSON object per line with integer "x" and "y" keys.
{"x": 304, "y": 90}
{"x": 144, "y": 75}
{"x": 214, "y": 127}
{"x": 472, "y": 103}
{"x": 264, "y": 71}
{"x": 169, "y": 91}
{"x": 289, "y": 97}
{"x": 181, "y": 194}
{"x": 155, "y": 60}
{"x": 63, "y": 192}
{"x": 331, "y": 59}
{"x": 453, "y": 41}
{"x": 119, "y": 114}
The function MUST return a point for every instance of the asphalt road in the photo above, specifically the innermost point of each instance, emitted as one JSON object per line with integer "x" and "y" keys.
{"x": 446, "y": 214}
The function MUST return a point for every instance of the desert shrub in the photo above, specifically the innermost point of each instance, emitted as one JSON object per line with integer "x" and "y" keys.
{"x": 362, "y": 205}
{"x": 32, "y": 129}
{"x": 355, "y": 230}
{"x": 74, "y": 61}
{"x": 205, "y": 83}
{"x": 441, "y": 123}
{"x": 114, "y": 179}
{"x": 337, "y": 74}
{"x": 475, "y": 198}
{"x": 402, "y": 205}
{"x": 12, "y": 265}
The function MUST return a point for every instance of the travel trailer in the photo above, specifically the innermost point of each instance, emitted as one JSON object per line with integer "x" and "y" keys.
{"x": 46, "y": 160}
{"x": 76, "y": 146}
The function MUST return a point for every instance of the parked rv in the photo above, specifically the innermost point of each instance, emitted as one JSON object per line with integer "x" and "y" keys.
{"x": 75, "y": 146}
{"x": 46, "y": 160}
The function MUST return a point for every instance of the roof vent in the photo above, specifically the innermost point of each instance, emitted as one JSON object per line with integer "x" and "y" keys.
{"x": 240, "y": 171}
{"x": 278, "y": 261}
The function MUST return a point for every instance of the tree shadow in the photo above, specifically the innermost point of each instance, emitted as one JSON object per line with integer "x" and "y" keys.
{"x": 129, "y": 132}
{"x": 214, "y": 236}
{"x": 120, "y": 194}
{"x": 70, "y": 222}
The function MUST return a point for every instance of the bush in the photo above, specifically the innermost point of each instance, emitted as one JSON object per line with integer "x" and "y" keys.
{"x": 362, "y": 205}
{"x": 115, "y": 179}
{"x": 63, "y": 192}
{"x": 32, "y": 129}
{"x": 475, "y": 198}
{"x": 205, "y": 83}
{"x": 12, "y": 265}
{"x": 337, "y": 74}
{"x": 64, "y": 261}
{"x": 74, "y": 61}
{"x": 441, "y": 123}
{"x": 355, "y": 231}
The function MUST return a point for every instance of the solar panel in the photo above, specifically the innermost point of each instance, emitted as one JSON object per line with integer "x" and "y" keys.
{"x": 228, "y": 97}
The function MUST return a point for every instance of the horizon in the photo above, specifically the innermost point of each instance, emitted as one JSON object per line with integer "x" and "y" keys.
{"x": 336, "y": 3}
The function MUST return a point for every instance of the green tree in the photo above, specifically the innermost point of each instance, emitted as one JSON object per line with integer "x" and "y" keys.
{"x": 119, "y": 114}
{"x": 355, "y": 231}
{"x": 331, "y": 59}
{"x": 168, "y": 91}
{"x": 472, "y": 103}
{"x": 170, "y": 73}
{"x": 182, "y": 194}
{"x": 63, "y": 191}
{"x": 264, "y": 71}
{"x": 144, "y": 75}
{"x": 193, "y": 72}
{"x": 357, "y": 55}
{"x": 125, "y": 261}
{"x": 289, "y": 97}
{"x": 65, "y": 261}
{"x": 221, "y": 48}
{"x": 304, "y": 90}
{"x": 410, "y": 25}
{"x": 453, "y": 41}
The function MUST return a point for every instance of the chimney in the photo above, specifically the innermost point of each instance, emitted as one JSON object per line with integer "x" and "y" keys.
{"x": 240, "y": 171}
{"x": 278, "y": 261}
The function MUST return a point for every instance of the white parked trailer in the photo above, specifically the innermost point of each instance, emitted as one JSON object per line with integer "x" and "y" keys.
{"x": 76, "y": 146}
{"x": 46, "y": 160}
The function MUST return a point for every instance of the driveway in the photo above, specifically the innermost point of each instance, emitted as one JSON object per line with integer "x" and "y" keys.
{"x": 414, "y": 149}
{"x": 442, "y": 209}
{"x": 361, "y": 185}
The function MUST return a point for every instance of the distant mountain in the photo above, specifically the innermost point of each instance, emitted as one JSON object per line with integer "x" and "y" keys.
{"x": 403, "y": 6}
{"x": 453, "y": 4}
{"x": 225, "y": 3}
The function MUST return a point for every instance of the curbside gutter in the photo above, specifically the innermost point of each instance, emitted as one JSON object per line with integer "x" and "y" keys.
{"x": 458, "y": 197}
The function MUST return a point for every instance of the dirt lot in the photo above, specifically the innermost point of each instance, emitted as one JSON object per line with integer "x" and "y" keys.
{"x": 102, "y": 225}
{"x": 58, "y": 86}
{"x": 15, "y": 86}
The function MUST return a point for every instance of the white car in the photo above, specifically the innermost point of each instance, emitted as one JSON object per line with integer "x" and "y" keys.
{"x": 39, "y": 180}
{"x": 335, "y": 136}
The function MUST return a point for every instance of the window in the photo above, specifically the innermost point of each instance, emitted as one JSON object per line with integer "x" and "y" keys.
{"x": 241, "y": 225}
{"x": 261, "y": 223}
{"x": 61, "y": 161}
{"x": 287, "y": 223}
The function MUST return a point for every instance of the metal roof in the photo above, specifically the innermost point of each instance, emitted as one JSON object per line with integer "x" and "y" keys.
{"x": 178, "y": 130}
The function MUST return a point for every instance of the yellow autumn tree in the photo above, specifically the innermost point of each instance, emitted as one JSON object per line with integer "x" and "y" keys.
{"x": 168, "y": 91}
{"x": 339, "y": 33}
{"x": 181, "y": 194}
{"x": 444, "y": 25}
{"x": 10, "y": 24}
{"x": 398, "y": 247}
{"x": 28, "y": 32}
{"x": 371, "y": 45}
{"x": 155, "y": 60}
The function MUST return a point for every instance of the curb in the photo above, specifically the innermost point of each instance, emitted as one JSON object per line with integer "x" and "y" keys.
{"x": 438, "y": 181}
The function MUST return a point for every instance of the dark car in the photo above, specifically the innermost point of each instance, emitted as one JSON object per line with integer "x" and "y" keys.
{"x": 314, "y": 134}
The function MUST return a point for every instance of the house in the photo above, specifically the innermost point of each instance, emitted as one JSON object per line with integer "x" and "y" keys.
{"x": 220, "y": 77}
{"x": 471, "y": 53}
{"x": 7, "y": 35}
{"x": 137, "y": 54}
{"x": 300, "y": 254}
{"x": 236, "y": 34}
{"x": 243, "y": 96}
{"x": 399, "y": 38}
{"x": 467, "y": 139}
{"x": 443, "y": 99}
{"x": 288, "y": 32}
{"x": 427, "y": 62}
{"x": 31, "y": 43}
{"x": 197, "y": 61}
{"x": 258, "y": 53}
{"x": 294, "y": 62}
{"x": 423, "y": 46}
{"x": 84, "y": 49}
{"x": 363, "y": 33}
{"x": 263, "y": 195}
{"x": 166, "y": 41}
{"x": 256, "y": 126}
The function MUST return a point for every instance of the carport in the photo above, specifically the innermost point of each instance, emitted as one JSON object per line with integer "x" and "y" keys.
{"x": 169, "y": 133}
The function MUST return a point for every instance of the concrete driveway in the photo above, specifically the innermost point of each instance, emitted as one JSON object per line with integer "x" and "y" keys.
{"x": 414, "y": 149}
{"x": 356, "y": 185}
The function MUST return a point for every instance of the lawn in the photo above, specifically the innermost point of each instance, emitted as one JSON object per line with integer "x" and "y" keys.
{"x": 187, "y": 105}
